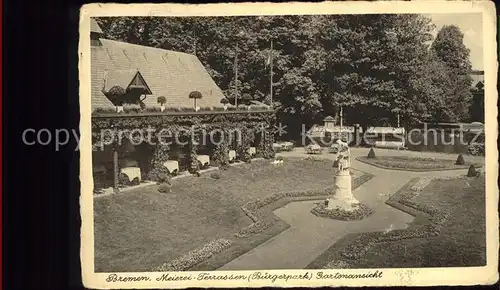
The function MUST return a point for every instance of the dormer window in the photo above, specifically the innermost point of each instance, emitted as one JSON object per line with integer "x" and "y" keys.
{"x": 131, "y": 83}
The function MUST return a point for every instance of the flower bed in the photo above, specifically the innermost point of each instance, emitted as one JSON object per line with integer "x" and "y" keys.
{"x": 194, "y": 257}
{"x": 435, "y": 224}
{"x": 432, "y": 232}
{"x": 423, "y": 182}
{"x": 416, "y": 164}
{"x": 252, "y": 209}
{"x": 259, "y": 222}
{"x": 360, "y": 212}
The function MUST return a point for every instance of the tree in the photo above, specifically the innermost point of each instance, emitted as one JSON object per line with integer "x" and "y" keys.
{"x": 246, "y": 98}
{"x": 368, "y": 64}
{"x": 450, "y": 49}
{"x": 195, "y": 95}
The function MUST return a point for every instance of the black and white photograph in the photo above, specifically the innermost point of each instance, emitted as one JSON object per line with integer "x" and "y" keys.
{"x": 287, "y": 149}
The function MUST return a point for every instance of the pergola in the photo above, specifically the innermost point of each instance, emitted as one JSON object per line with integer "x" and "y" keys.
{"x": 110, "y": 129}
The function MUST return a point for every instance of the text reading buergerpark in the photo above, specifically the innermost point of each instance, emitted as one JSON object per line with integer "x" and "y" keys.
{"x": 255, "y": 276}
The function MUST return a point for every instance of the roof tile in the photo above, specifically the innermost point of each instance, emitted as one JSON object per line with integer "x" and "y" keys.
{"x": 167, "y": 73}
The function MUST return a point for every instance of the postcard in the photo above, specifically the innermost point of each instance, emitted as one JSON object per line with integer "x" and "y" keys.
{"x": 288, "y": 144}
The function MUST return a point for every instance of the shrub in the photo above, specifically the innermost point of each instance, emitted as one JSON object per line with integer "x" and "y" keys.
{"x": 460, "y": 160}
{"x": 371, "y": 154}
{"x": 116, "y": 91}
{"x": 195, "y": 95}
{"x": 224, "y": 101}
{"x": 164, "y": 188}
{"x": 358, "y": 213}
{"x": 123, "y": 179}
{"x": 215, "y": 175}
{"x": 135, "y": 181}
{"x": 164, "y": 178}
{"x": 476, "y": 149}
{"x": 472, "y": 172}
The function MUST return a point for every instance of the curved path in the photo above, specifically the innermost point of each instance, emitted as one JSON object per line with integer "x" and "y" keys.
{"x": 309, "y": 235}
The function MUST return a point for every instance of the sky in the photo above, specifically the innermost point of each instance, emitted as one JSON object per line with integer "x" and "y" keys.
{"x": 471, "y": 25}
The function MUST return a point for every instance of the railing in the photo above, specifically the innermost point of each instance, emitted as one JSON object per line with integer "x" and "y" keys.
{"x": 181, "y": 113}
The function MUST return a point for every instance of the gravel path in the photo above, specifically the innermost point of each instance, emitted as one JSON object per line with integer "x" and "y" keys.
{"x": 309, "y": 235}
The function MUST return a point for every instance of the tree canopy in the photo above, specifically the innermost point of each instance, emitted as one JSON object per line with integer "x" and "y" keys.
{"x": 374, "y": 66}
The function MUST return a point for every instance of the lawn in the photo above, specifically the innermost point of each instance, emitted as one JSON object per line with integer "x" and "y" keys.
{"x": 408, "y": 163}
{"x": 141, "y": 229}
{"x": 462, "y": 241}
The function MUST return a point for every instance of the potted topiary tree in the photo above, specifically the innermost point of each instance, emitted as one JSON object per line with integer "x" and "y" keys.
{"x": 224, "y": 101}
{"x": 162, "y": 101}
{"x": 115, "y": 94}
{"x": 460, "y": 160}
{"x": 195, "y": 95}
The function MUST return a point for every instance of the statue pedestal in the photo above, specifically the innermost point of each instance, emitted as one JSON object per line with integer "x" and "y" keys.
{"x": 342, "y": 195}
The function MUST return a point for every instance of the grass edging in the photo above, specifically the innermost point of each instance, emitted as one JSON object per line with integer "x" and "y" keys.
{"x": 266, "y": 224}
{"x": 356, "y": 245}
{"x": 194, "y": 257}
{"x": 360, "y": 212}
{"x": 458, "y": 167}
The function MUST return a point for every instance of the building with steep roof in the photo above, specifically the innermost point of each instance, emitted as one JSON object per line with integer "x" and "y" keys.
{"x": 476, "y": 109}
{"x": 165, "y": 73}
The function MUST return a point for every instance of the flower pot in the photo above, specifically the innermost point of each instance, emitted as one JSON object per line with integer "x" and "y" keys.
{"x": 225, "y": 107}
{"x": 162, "y": 108}
{"x": 119, "y": 109}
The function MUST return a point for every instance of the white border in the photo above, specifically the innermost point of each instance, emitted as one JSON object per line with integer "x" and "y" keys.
{"x": 391, "y": 277}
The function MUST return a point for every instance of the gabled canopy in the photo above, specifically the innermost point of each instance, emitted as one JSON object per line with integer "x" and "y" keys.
{"x": 127, "y": 79}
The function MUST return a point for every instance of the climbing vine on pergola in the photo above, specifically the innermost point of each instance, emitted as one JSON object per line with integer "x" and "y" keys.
{"x": 108, "y": 129}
